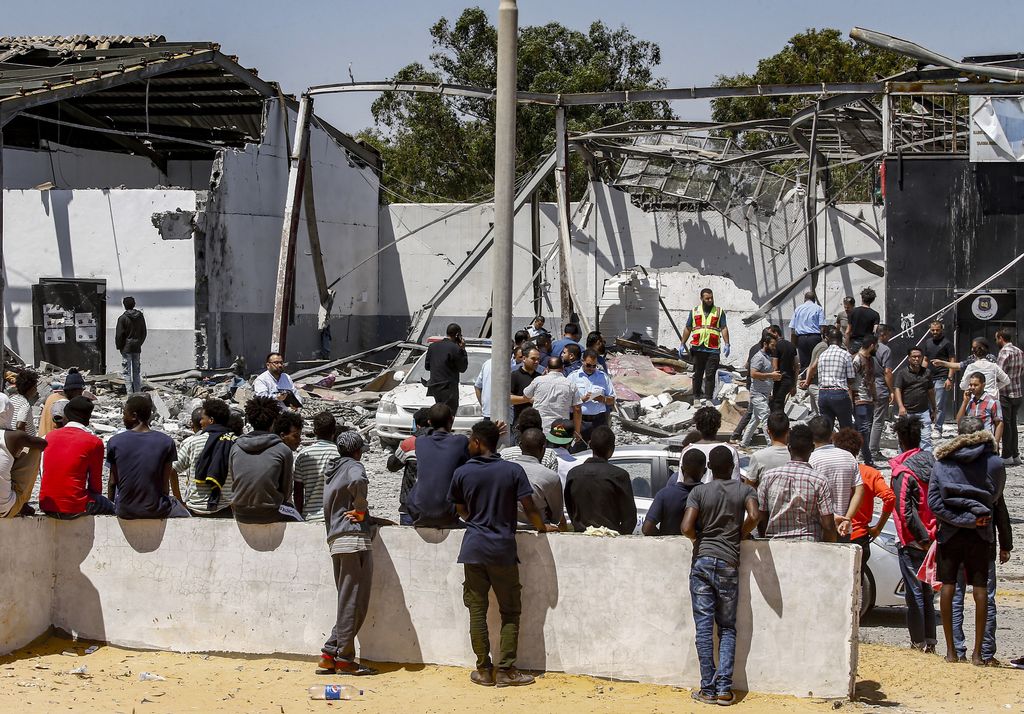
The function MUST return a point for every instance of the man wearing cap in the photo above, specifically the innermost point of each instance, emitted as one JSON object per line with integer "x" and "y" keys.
{"x": 596, "y": 392}
{"x": 74, "y": 386}
{"x": 559, "y": 437}
{"x": 72, "y": 482}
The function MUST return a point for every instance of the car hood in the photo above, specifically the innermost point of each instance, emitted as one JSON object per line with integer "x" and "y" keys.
{"x": 409, "y": 396}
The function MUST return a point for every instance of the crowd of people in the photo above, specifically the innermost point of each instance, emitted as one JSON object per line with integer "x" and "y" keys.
{"x": 817, "y": 481}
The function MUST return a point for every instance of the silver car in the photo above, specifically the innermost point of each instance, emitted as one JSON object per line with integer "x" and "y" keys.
{"x": 650, "y": 466}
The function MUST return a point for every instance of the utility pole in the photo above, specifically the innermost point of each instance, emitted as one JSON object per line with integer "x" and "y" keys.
{"x": 565, "y": 277}
{"x": 504, "y": 208}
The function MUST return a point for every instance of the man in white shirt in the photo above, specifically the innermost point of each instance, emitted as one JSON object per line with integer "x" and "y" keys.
{"x": 275, "y": 383}
{"x": 25, "y": 470}
{"x": 555, "y": 397}
{"x": 995, "y": 377}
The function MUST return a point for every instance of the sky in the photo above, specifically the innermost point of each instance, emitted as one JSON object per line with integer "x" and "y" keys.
{"x": 308, "y": 42}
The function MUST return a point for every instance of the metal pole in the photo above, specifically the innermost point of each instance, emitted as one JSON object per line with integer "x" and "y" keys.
{"x": 811, "y": 203}
{"x": 538, "y": 295}
{"x": 504, "y": 210}
{"x": 283, "y": 294}
{"x": 562, "y": 194}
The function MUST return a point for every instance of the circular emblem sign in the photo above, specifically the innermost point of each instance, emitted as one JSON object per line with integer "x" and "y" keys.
{"x": 984, "y": 307}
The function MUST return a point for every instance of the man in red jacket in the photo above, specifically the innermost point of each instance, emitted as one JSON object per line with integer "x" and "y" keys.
{"x": 72, "y": 481}
{"x": 915, "y": 527}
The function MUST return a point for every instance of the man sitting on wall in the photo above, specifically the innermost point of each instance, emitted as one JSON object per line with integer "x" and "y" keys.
{"x": 260, "y": 466}
{"x": 72, "y": 481}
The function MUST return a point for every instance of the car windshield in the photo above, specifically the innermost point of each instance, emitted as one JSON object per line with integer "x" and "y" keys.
{"x": 418, "y": 374}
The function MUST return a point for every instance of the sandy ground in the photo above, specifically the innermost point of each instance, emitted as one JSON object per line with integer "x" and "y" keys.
{"x": 38, "y": 679}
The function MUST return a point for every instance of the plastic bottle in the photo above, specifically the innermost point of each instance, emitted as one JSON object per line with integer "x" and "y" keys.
{"x": 334, "y": 691}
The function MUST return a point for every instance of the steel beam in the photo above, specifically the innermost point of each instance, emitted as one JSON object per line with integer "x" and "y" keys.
{"x": 283, "y": 294}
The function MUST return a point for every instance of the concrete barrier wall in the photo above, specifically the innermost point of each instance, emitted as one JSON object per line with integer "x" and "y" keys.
{"x": 609, "y": 607}
{"x": 26, "y": 583}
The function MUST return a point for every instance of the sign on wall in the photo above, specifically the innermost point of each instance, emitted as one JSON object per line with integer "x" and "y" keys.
{"x": 997, "y": 129}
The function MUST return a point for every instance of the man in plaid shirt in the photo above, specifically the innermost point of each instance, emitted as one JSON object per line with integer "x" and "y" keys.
{"x": 836, "y": 376}
{"x": 1011, "y": 359}
{"x": 979, "y": 404}
{"x": 794, "y": 501}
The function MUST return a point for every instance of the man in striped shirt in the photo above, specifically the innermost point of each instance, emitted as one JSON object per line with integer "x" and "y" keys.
{"x": 979, "y": 404}
{"x": 311, "y": 468}
{"x": 197, "y": 495}
{"x": 839, "y": 468}
{"x": 795, "y": 502}
{"x": 1011, "y": 360}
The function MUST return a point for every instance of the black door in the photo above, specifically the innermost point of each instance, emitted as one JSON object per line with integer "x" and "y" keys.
{"x": 69, "y": 320}
{"x": 981, "y": 315}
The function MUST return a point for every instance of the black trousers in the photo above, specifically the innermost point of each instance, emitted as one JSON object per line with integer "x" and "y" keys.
{"x": 780, "y": 392}
{"x": 446, "y": 394}
{"x": 1011, "y": 410}
{"x": 804, "y": 346}
{"x": 592, "y": 422}
{"x": 705, "y": 372}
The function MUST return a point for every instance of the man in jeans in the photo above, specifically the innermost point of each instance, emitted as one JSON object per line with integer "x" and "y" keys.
{"x": 937, "y": 348}
{"x": 915, "y": 394}
{"x": 1011, "y": 360}
{"x": 486, "y": 491}
{"x": 764, "y": 373}
{"x": 915, "y": 529}
{"x": 128, "y": 338}
{"x": 722, "y": 512}
{"x": 884, "y": 364}
{"x": 834, "y": 370}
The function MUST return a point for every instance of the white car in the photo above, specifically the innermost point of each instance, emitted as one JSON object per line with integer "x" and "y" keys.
{"x": 394, "y": 413}
{"x": 650, "y": 467}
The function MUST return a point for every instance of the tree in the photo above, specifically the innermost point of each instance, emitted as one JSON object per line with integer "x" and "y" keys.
{"x": 442, "y": 148}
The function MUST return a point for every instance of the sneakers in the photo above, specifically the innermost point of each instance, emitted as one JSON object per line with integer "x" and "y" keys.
{"x": 27, "y": 510}
{"x": 483, "y": 676}
{"x": 331, "y": 665}
{"x": 512, "y": 677}
{"x": 699, "y": 696}
{"x": 726, "y": 699}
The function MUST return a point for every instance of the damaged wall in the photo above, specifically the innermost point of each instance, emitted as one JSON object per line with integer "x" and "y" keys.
{"x": 242, "y": 235}
{"x": 689, "y": 249}
{"x": 105, "y": 234}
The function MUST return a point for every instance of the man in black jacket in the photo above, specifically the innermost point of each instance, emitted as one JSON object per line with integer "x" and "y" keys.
{"x": 446, "y": 360}
{"x": 598, "y": 493}
{"x": 128, "y": 338}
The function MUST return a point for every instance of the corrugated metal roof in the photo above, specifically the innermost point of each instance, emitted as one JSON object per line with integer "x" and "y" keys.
{"x": 81, "y": 42}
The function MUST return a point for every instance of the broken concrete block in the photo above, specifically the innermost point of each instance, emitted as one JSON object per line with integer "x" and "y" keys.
{"x": 650, "y": 403}
{"x": 797, "y": 412}
{"x": 160, "y": 405}
{"x": 665, "y": 399}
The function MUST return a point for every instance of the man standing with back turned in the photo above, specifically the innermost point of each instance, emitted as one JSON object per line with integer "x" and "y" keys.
{"x": 805, "y": 327}
{"x": 446, "y": 360}
{"x": 128, "y": 338}
{"x": 718, "y": 515}
{"x": 706, "y": 337}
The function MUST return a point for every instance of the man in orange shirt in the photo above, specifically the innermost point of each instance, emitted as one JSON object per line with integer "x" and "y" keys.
{"x": 861, "y": 532}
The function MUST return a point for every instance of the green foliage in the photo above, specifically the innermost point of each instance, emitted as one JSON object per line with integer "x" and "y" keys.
{"x": 442, "y": 148}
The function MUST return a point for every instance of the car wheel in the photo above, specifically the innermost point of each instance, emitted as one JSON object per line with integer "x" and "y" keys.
{"x": 389, "y": 444}
{"x": 867, "y": 592}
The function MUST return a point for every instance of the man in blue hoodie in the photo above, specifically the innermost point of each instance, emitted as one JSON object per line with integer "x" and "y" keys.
{"x": 966, "y": 482}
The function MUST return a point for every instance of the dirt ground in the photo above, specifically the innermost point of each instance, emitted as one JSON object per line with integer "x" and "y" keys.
{"x": 38, "y": 679}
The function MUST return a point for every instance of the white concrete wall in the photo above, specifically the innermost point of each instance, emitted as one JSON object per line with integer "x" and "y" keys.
{"x": 618, "y": 608}
{"x": 26, "y": 589}
{"x": 105, "y": 234}
{"x": 243, "y": 239}
{"x": 71, "y": 167}
{"x": 615, "y": 236}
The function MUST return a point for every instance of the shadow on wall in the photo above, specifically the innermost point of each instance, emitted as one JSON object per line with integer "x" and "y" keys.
{"x": 144, "y": 536}
{"x": 87, "y": 608}
{"x": 759, "y": 571}
{"x": 396, "y": 639}
{"x": 540, "y": 595}
{"x": 264, "y": 537}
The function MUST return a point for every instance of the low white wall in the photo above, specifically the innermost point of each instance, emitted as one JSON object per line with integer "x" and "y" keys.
{"x": 617, "y": 608}
{"x": 26, "y": 588}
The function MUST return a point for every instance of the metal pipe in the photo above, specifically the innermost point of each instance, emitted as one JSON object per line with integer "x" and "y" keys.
{"x": 504, "y": 206}
{"x": 283, "y": 293}
{"x": 538, "y": 295}
{"x": 923, "y": 54}
{"x": 811, "y": 204}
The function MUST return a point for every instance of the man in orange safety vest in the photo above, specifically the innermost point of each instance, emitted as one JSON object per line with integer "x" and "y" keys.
{"x": 706, "y": 338}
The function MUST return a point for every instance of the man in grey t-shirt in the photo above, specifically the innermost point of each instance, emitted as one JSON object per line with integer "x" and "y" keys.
{"x": 718, "y": 515}
{"x": 775, "y": 454}
{"x": 547, "y": 487}
{"x": 764, "y": 373}
{"x": 554, "y": 396}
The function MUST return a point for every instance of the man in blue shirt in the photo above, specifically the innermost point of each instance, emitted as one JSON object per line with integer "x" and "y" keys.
{"x": 596, "y": 392}
{"x": 665, "y": 516}
{"x": 438, "y": 455}
{"x": 486, "y": 492}
{"x": 805, "y": 327}
{"x": 570, "y": 335}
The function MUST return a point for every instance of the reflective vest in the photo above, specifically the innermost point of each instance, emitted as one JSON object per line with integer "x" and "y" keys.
{"x": 706, "y": 332}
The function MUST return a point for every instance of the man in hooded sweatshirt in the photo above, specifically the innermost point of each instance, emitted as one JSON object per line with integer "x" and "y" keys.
{"x": 128, "y": 338}
{"x": 966, "y": 482}
{"x": 346, "y": 515}
{"x": 260, "y": 465}
{"x": 915, "y": 528}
